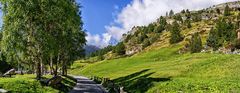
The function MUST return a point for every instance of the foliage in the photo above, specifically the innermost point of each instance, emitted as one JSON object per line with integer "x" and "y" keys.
{"x": 195, "y": 43}
{"x": 35, "y": 34}
{"x": 236, "y": 43}
{"x": 27, "y": 84}
{"x": 224, "y": 32}
{"x": 120, "y": 48}
{"x": 175, "y": 33}
{"x": 150, "y": 28}
{"x": 183, "y": 11}
{"x": 161, "y": 26}
{"x": 188, "y": 23}
{"x": 24, "y": 84}
{"x": 146, "y": 43}
{"x": 171, "y": 13}
{"x": 227, "y": 11}
{"x": 178, "y": 17}
{"x": 218, "y": 11}
{"x": 196, "y": 17}
{"x": 213, "y": 39}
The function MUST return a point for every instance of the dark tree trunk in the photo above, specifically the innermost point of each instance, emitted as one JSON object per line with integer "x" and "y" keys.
{"x": 51, "y": 65}
{"x": 39, "y": 73}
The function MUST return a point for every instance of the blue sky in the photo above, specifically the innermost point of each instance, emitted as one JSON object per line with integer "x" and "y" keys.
{"x": 99, "y": 13}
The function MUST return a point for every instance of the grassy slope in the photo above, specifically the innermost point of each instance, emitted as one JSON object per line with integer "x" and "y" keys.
{"x": 161, "y": 69}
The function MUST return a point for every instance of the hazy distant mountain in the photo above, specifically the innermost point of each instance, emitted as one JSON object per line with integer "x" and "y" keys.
{"x": 90, "y": 48}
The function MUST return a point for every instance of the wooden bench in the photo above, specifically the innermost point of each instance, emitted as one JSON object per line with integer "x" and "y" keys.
{"x": 9, "y": 73}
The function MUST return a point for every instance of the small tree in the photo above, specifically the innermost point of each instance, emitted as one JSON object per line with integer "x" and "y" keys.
{"x": 166, "y": 14}
{"x": 188, "y": 23}
{"x": 227, "y": 11}
{"x": 183, "y": 11}
{"x": 120, "y": 48}
{"x": 171, "y": 13}
{"x": 187, "y": 11}
{"x": 238, "y": 17}
{"x": 146, "y": 43}
{"x": 195, "y": 43}
{"x": 161, "y": 26}
{"x": 178, "y": 18}
{"x": 175, "y": 33}
{"x": 213, "y": 39}
{"x": 218, "y": 11}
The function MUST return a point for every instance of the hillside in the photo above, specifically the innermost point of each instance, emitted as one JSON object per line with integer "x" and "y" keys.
{"x": 160, "y": 68}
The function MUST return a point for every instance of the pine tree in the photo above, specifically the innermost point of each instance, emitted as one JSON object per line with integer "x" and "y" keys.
{"x": 171, "y": 13}
{"x": 183, "y": 11}
{"x": 178, "y": 17}
{"x": 146, "y": 43}
{"x": 161, "y": 26}
{"x": 213, "y": 39}
{"x": 175, "y": 33}
{"x": 188, "y": 23}
{"x": 120, "y": 49}
{"x": 195, "y": 43}
{"x": 227, "y": 11}
{"x": 218, "y": 11}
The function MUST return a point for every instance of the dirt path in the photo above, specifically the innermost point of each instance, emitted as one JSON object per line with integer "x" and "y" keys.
{"x": 85, "y": 85}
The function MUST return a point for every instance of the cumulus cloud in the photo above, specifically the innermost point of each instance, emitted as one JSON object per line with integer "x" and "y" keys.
{"x": 98, "y": 40}
{"x": 143, "y": 12}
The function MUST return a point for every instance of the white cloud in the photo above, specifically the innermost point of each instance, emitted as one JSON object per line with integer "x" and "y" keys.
{"x": 143, "y": 12}
{"x": 98, "y": 40}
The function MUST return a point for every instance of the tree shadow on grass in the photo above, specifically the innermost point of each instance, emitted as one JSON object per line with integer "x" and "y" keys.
{"x": 139, "y": 82}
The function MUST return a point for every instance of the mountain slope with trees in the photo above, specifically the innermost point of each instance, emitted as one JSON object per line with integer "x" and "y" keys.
{"x": 195, "y": 51}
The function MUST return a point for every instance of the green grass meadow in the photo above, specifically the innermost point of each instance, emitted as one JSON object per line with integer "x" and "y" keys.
{"x": 164, "y": 70}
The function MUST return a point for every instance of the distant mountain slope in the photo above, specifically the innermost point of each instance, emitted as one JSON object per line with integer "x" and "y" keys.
{"x": 90, "y": 48}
